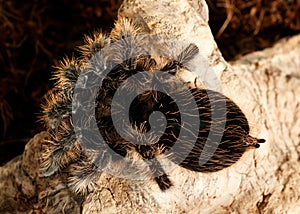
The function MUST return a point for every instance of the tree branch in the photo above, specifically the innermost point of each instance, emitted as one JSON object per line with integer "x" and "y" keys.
{"x": 265, "y": 86}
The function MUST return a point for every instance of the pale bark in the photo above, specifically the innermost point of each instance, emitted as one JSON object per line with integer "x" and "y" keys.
{"x": 266, "y": 87}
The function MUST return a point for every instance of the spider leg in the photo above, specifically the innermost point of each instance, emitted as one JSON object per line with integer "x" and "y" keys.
{"x": 129, "y": 27}
{"x": 188, "y": 54}
{"x": 82, "y": 175}
{"x": 62, "y": 149}
{"x": 148, "y": 153}
{"x": 93, "y": 44}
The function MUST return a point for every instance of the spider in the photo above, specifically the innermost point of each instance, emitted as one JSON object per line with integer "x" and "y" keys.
{"x": 220, "y": 141}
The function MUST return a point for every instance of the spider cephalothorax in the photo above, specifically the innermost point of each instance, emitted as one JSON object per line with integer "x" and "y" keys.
{"x": 218, "y": 140}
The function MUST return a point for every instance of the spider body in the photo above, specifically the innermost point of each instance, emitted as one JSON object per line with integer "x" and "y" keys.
{"x": 221, "y": 139}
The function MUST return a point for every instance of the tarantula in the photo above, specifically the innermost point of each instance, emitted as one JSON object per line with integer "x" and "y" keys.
{"x": 220, "y": 139}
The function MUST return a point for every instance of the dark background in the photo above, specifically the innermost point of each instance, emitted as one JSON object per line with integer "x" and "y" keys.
{"x": 36, "y": 34}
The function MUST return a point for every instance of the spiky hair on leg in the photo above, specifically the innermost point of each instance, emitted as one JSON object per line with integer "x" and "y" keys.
{"x": 129, "y": 27}
{"x": 66, "y": 73}
{"x": 81, "y": 176}
{"x": 63, "y": 147}
{"x": 93, "y": 44}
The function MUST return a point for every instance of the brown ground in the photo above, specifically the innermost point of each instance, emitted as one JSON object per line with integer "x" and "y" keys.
{"x": 37, "y": 33}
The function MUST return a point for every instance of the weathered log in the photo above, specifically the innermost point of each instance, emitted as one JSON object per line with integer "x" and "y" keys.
{"x": 264, "y": 84}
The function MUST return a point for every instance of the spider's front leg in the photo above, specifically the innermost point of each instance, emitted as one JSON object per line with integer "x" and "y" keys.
{"x": 62, "y": 147}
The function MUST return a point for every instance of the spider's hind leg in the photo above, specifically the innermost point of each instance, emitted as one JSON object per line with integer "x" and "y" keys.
{"x": 148, "y": 154}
